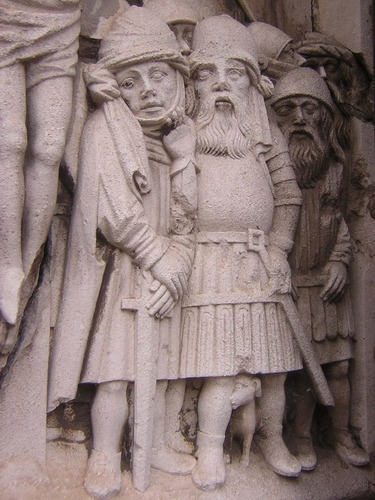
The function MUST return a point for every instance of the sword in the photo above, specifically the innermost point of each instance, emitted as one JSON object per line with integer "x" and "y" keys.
{"x": 311, "y": 364}
{"x": 146, "y": 355}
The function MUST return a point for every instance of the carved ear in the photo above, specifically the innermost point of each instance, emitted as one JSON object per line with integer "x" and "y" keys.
{"x": 257, "y": 387}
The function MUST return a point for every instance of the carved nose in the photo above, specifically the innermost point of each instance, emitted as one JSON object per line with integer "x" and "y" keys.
{"x": 148, "y": 93}
{"x": 220, "y": 86}
{"x": 322, "y": 72}
{"x": 299, "y": 117}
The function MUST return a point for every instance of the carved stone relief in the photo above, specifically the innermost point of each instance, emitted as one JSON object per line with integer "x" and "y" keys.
{"x": 180, "y": 184}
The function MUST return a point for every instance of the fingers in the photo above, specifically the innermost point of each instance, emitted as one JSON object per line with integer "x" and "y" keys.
{"x": 156, "y": 297}
{"x": 333, "y": 288}
{"x": 166, "y": 308}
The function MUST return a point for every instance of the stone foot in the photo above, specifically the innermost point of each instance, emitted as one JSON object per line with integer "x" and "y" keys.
{"x": 177, "y": 442}
{"x": 209, "y": 472}
{"x": 304, "y": 452}
{"x": 349, "y": 452}
{"x": 103, "y": 475}
{"x": 168, "y": 460}
{"x": 10, "y": 289}
{"x": 277, "y": 455}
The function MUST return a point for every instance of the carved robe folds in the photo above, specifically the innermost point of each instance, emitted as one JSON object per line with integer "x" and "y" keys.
{"x": 322, "y": 236}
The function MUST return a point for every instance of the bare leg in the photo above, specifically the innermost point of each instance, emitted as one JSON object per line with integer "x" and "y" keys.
{"x": 174, "y": 398}
{"x": 13, "y": 141}
{"x": 108, "y": 417}
{"x": 345, "y": 446}
{"x": 163, "y": 457}
{"x": 48, "y": 109}
{"x": 269, "y": 438}
{"x": 214, "y": 412}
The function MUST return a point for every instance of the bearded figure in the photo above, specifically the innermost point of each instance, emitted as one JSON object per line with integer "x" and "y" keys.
{"x": 130, "y": 250}
{"x": 321, "y": 255}
{"x": 248, "y": 204}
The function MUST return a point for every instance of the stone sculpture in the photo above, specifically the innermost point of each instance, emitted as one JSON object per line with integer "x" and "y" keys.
{"x": 181, "y": 17}
{"x": 248, "y": 204}
{"x": 346, "y": 73}
{"x": 276, "y": 53}
{"x": 133, "y": 212}
{"x": 244, "y": 418}
{"x": 38, "y": 53}
{"x": 321, "y": 255}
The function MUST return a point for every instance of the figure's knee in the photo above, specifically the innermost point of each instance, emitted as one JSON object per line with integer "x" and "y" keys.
{"x": 337, "y": 371}
{"x": 46, "y": 149}
{"x": 13, "y": 138}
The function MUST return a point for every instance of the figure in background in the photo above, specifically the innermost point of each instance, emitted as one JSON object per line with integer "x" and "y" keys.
{"x": 321, "y": 255}
{"x": 276, "y": 53}
{"x": 248, "y": 205}
{"x": 38, "y": 54}
{"x": 352, "y": 89}
{"x": 134, "y": 210}
{"x": 181, "y": 17}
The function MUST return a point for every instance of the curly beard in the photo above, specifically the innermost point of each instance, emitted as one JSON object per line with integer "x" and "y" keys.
{"x": 309, "y": 153}
{"x": 223, "y": 128}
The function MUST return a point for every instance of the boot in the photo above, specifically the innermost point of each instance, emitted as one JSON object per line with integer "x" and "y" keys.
{"x": 165, "y": 459}
{"x": 304, "y": 452}
{"x": 177, "y": 442}
{"x": 103, "y": 475}
{"x": 276, "y": 454}
{"x": 209, "y": 473}
{"x": 347, "y": 449}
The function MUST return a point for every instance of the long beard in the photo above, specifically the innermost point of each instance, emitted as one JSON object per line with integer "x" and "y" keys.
{"x": 223, "y": 130}
{"x": 310, "y": 156}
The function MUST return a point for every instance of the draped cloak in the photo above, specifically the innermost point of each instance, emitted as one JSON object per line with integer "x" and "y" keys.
{"x": 111, "y": 236}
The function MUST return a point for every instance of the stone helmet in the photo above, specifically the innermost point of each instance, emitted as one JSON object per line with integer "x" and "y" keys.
{"x": 137, "y": 36}
{"x": 303, "y": 82}
{"x": 270, "y": 41}
{"x": 223, "y": 36}
{"x": 174, "y": 11}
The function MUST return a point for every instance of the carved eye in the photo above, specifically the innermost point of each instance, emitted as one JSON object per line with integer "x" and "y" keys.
{"x": 128, "y": 83}
{"x": 331, "y": 67}
{"x": 283, "y": 110}
{"x": 204, "y": 73}
{"x": 157, "y": 75}
{"x": 235, "y": 74}
{"x": 310, "y": 109}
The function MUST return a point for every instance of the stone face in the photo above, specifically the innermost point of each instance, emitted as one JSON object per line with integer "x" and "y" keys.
{"x": 181, "y": 287}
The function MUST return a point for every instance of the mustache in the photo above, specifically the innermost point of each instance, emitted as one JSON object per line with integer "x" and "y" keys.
{"x": 207, "y": 109}
{"x": 306, "y": 130}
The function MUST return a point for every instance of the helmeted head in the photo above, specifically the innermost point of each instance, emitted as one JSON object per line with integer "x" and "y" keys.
{"x": 181, "y": 18}
{"x": 302, "y": 82}
{"x": 304, "y": 112}
{"x": 140, "y": 60}
{"x": 230, "y": 114}
{"x": 276, "y": 54}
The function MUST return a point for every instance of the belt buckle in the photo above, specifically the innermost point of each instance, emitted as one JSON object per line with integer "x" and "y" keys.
{"x": 255, "y": 240}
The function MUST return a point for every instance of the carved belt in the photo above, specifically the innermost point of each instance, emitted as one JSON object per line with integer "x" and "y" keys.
{"x": 255, "y": 239}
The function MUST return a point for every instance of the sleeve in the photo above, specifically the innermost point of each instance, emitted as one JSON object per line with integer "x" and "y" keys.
{"x": 120, "y": 215}
{"x": 342, "y": 251}
{"x": 288, "y": 198}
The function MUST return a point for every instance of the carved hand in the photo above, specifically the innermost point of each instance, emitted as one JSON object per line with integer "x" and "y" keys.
{"x": 280, "y": 270}
{"x": 334, "y": 288}
{"x": 172, "y": 271}
{"x": 180, "y": 142}
{"x": 161, "y": 301}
